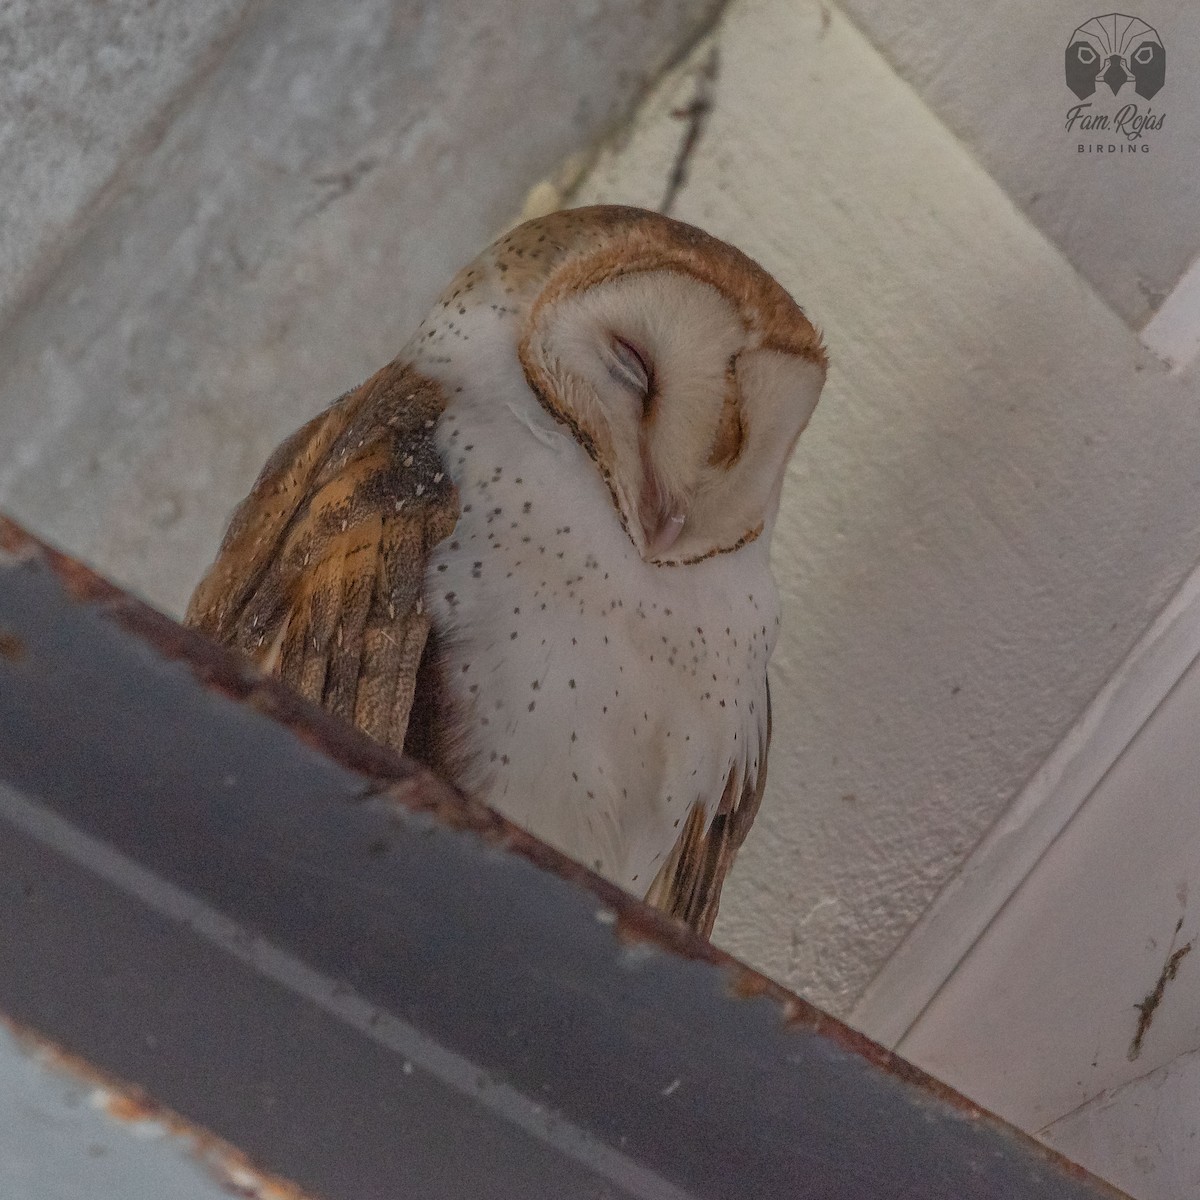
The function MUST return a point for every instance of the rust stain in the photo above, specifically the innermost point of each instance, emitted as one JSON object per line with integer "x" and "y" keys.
{"x": 129, "y": 1105}
{"x": 1149, "y": 1006}
{"x": 122, "y": 1107}
{"x": 15, "y": 545}
{"x": 11, "y": 646}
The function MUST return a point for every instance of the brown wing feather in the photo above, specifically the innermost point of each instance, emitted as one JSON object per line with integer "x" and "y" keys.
{"x": 319, "y": 576}
{"x": 688, "y": 885}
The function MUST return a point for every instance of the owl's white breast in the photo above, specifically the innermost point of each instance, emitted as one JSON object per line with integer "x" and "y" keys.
{"x": 602, "y": 696}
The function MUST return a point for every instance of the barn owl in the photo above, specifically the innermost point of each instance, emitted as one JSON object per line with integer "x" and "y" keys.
{"x": 531, "y": 552}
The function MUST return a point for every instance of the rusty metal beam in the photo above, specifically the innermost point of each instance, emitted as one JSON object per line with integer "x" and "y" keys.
{"x": 324, "y": 967}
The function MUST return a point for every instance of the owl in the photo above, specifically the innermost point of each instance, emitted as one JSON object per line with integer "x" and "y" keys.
{"x": 532, "y": 551}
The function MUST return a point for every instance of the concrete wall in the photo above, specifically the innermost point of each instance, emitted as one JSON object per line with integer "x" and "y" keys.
{"x": 85, "y": 89}
{"x": 994, "y": 74}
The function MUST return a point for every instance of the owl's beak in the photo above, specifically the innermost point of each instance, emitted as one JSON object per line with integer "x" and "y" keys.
{"x": 662, "y": 516}
{"x": 660, "y": 540}
{"x": 1116, "y": 76}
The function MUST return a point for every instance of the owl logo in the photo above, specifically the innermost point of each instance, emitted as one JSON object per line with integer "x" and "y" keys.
{"x": 1116, "y": 50}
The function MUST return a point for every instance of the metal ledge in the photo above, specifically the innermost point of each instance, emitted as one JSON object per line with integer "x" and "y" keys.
{"x": 336, "y": 977}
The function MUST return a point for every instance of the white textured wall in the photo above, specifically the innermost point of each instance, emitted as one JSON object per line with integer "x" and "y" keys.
{"x": 995, "y": 495}
{"x": 1055, "y": 982}
{"x": 1042, "y": 1015}
{"x": 1143, "y": 1136}
{"x": 994, "y": 74}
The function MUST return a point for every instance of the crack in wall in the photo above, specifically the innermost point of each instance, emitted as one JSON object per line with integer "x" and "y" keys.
{"x": 696, "y": 113}
{"x": 336, "y": 184}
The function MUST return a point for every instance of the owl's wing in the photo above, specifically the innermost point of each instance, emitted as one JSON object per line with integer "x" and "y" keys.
{"x": 319, "y": 577}
{"x": 688, "y": 885}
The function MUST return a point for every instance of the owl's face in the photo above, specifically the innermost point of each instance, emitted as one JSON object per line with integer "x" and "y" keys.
{"x": 683, "y": 369}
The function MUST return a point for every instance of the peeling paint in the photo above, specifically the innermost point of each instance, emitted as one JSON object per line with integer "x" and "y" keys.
{"x": 1149, "y": 1006}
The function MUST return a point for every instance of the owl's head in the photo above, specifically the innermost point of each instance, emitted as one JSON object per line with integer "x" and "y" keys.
{"x": 682, "y": 368}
